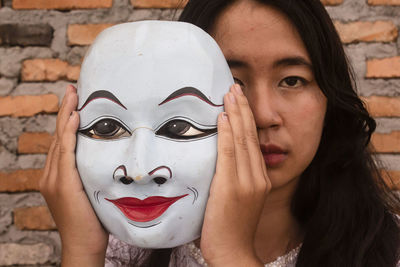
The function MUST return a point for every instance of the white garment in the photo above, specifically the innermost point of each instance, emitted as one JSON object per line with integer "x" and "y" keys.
{"x": 120, "y": 254}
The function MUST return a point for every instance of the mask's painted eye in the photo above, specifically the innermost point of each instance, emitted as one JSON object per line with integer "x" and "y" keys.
{"x": 180, "y": 129}
{"x": 106, "y": 129}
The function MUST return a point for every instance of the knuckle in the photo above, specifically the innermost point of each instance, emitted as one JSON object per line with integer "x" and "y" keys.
{"x": 241, "y": 141}
{"x": 252, "y": 136}
{"x": 228, "y": 151}
{"x": 242, "y": 100}
{"x": 64, "y": 148}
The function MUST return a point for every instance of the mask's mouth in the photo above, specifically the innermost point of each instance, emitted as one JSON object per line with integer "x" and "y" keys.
{"x": 144, "y": 210}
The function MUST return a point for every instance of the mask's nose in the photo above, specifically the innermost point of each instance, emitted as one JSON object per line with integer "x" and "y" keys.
{"x": 144, "y": 162}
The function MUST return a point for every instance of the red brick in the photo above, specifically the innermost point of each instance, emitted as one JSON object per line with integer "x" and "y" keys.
{"x": 33, "y": 218}
{"x": 159, "y": 3}
{"x": 383, "y": 106}
{"x": 332, "y": 2}
{"x": 386, "y": 143}
{"x": 34, "y": 143}
{"x": 383, "y": 68}
{"x": 182, "y": 3}
{"x": 392, "y": 179}
{"x": 20, "y": 180}
{"x": 34, "y": 70}
{"x": 27, "y": 105}
{"x": 61, "y": 4}
{"x": 384, "y": 2}
{"x": 84, "y": 34}
{"x": 367, "y": 31}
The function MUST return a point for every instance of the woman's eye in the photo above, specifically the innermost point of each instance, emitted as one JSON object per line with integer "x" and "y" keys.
{"x": 106, "y": 129}
{"x": 180, "y": 129}
{"x": 293, "y": 82}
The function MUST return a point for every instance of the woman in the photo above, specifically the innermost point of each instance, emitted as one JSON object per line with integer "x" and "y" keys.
{"x": 294, "y": 178}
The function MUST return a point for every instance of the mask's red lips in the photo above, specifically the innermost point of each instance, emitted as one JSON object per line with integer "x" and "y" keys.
{"x": 144, "y": 210}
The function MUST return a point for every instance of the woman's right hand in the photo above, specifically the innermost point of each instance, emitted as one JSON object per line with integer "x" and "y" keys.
{"x": 84, "y": 240}
{"x": 238, "y": 190}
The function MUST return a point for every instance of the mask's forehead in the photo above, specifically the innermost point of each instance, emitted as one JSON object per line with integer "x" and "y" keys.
{"x": 147, "y": 61}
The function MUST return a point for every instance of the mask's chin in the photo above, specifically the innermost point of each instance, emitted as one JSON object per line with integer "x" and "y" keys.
{"x": 160, "y": 233}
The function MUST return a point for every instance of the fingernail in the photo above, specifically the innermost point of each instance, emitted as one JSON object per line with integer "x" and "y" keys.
{"x": 232, "y": 98}
{"x": 224, "y": 116}
{"x": 238, "y": 89}
{"x": 71, "y": 88}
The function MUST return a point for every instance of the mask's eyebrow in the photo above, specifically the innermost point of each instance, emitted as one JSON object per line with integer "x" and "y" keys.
{"x": 189, "y": 91}
{"x": 102, "y": 94}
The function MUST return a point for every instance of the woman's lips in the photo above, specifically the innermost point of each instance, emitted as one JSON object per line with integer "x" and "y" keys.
{"x": 144, "y": 210}
{"x": 273, "y": 155}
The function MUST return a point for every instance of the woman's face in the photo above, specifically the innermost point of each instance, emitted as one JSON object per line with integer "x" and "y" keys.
{"x": 269, "y": 60}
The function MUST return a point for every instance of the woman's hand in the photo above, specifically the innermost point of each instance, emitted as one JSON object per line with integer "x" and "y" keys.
{"x": 84, "y": 240}
{"x": 238, "y": 190}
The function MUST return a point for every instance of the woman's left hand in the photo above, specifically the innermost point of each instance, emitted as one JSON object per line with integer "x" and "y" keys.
{"x": 238, "y": 189}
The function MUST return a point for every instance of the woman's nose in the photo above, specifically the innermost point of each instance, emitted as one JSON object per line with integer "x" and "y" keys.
{"x": 266, "y": 108}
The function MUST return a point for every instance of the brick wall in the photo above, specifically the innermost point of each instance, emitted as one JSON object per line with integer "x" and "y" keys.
{"x": 42, "y": 43}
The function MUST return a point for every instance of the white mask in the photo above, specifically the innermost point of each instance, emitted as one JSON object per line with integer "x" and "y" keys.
{"x": 149, "y": 96}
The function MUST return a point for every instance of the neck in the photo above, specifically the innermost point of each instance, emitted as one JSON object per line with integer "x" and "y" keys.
{"x": 277, "y": 232}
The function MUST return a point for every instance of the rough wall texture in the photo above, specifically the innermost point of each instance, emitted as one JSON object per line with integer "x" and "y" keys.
{"x": 42, "y": 43}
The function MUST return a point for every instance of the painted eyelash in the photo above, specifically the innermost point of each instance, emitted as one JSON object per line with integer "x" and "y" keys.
{"x": 93, "y": 122}
{"x": 196, "y": 125}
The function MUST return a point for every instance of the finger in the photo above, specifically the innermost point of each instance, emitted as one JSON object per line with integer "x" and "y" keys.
{"x": 51, "y": 181}
{"x": 67, "y": 164}
{"x": 69, "y": 104}
{"x": 61, "y": 110}
{"x": 226, "y": 153}
{"x": 256, "y": 160}
{"x": 239, "y": 139}
{"x": 46, "y": 171}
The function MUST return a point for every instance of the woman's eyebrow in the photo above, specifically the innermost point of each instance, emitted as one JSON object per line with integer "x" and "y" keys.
{"x": 292, "y": 61}
{"x": 102, "y": 94}
{"x": 189, "y": 91}
{"x": 234, "y": 63}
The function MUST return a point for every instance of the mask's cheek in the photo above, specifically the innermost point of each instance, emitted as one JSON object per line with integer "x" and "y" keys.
{"x": 193, "y": 162}
{"x": 96, "y": 161}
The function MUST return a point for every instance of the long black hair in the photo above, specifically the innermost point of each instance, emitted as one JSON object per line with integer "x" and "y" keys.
{"x": 341, "y": 202}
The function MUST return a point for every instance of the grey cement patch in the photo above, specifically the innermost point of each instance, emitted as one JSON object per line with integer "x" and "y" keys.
{"x": 12, "y": 128}
{"x": 390, "y": 161}
{"x": 11, "y": 58}
{"x": 8, "y": 160}
{"x": 352, "y": 10}
{"x": 58, "y": 88}
{"x": 6, "y": 86}
{"x": 383, "y": 87}
{"x": 387, "y": 125}
{"x": 76, "y": 54}
{"x": 31, "y": 161}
